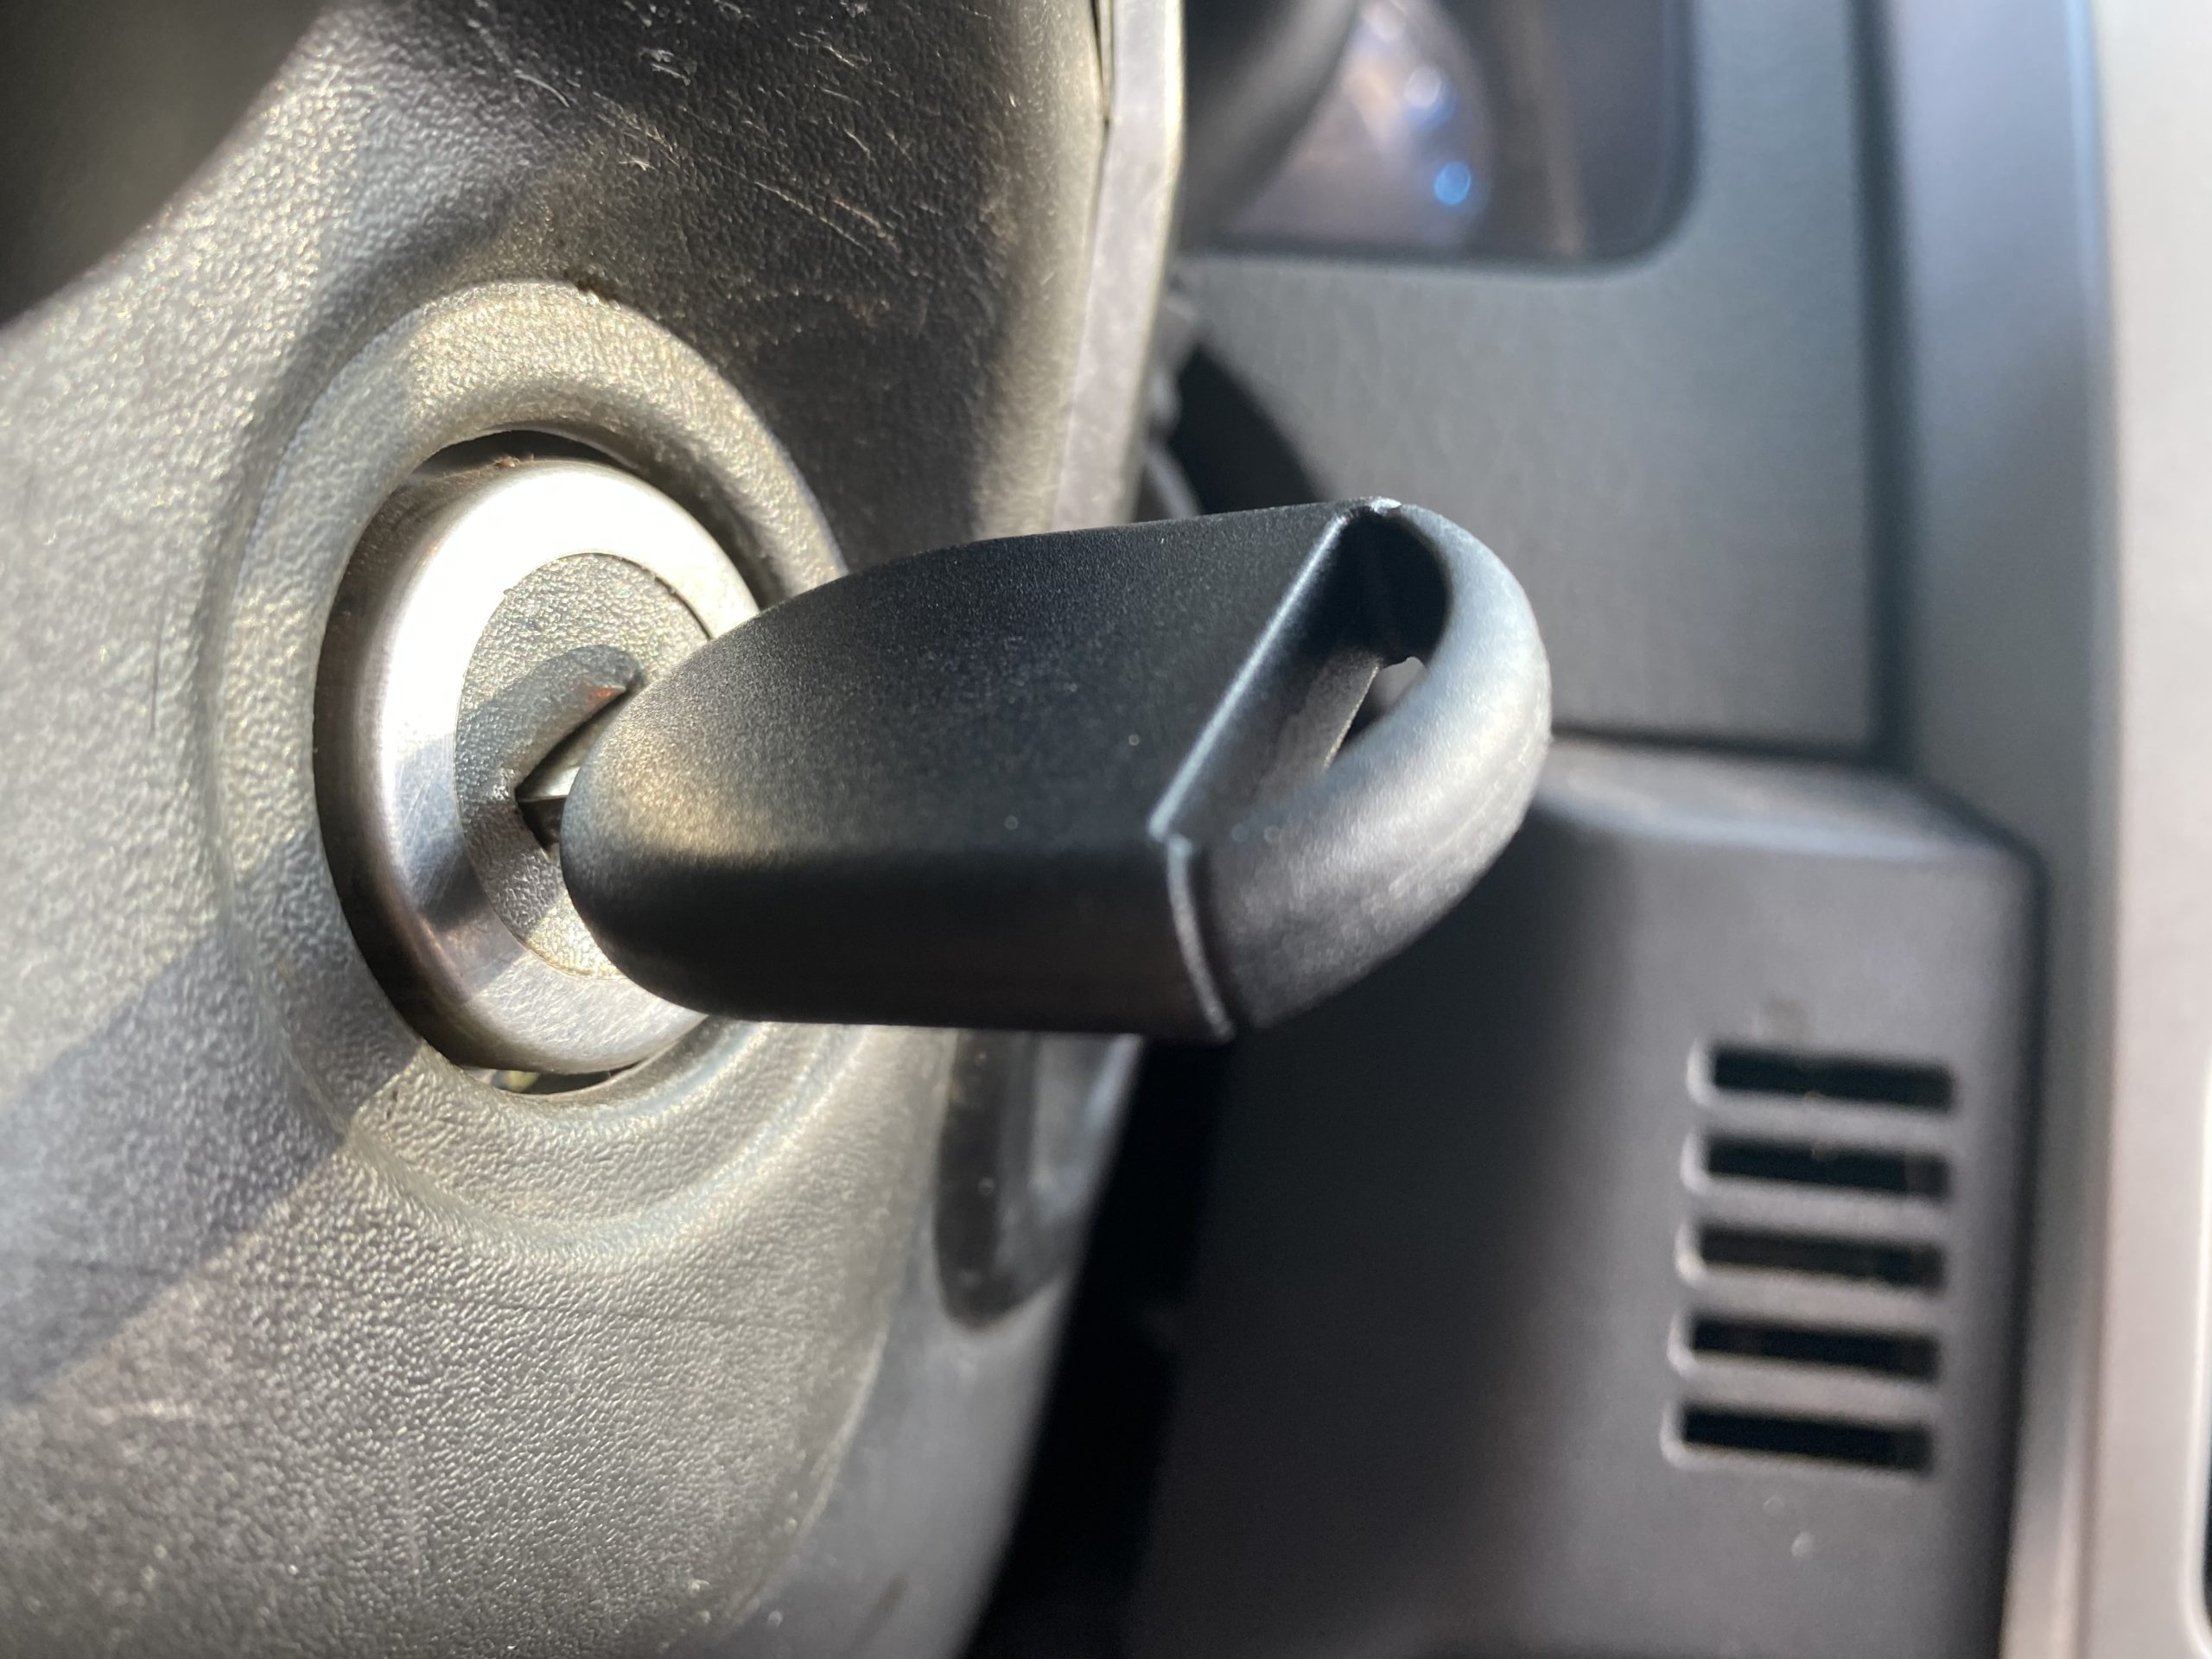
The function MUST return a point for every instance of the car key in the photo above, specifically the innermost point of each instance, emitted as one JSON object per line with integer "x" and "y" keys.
{"x": 1094, "y": 780}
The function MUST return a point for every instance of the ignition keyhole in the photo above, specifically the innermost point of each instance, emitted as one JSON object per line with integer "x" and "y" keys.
{"x": 544, "y": 792}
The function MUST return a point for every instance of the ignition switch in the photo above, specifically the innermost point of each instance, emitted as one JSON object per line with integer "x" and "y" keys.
{"x": 490, "y": 620}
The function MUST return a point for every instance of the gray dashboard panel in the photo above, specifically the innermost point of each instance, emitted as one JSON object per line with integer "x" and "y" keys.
{"x": 2001, "y": 431}
{"x": 1671, "y": 453}
{"x": 1527, "y": 1324}
{"x": 2054, "y": 255}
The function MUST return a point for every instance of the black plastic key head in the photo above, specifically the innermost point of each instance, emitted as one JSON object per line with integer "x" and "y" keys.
{"x": 1097, "y": 780}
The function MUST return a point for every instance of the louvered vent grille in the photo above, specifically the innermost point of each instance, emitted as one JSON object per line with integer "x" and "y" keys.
{"x": 1816, "y": 1258}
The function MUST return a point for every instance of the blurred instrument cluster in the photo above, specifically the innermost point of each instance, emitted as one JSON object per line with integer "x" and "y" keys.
{"x": 1544, "y": 129}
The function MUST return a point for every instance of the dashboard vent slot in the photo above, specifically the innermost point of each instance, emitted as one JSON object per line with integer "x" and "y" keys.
{"x": 1885, "y": 1353}
{"x": 1906, "y": 1447}
{"x": 1815, "y": 1077}
{"x": 1814, "y": 1163}
{"x": 1907, "y": 1267}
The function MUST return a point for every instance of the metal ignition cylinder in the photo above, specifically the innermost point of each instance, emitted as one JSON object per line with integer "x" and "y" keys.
{"x": 492, "y": 618}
